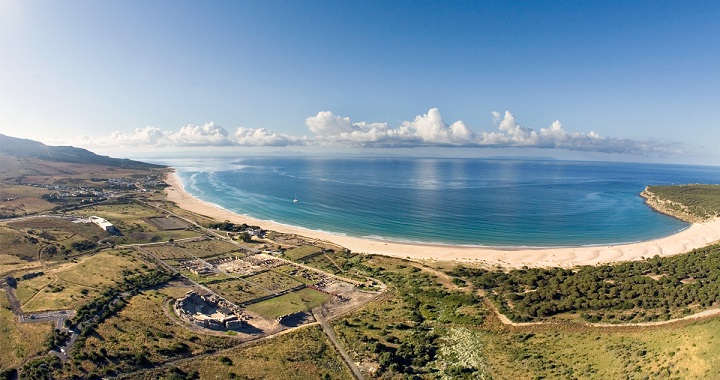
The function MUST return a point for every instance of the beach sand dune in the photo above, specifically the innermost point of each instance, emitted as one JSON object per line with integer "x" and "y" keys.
{"x": 696, "y": 236}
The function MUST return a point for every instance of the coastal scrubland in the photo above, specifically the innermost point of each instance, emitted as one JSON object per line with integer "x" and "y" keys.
{"x": 425, "y": 320}
{"x": 693, "y": 202}
{"x": 658, "y": 288}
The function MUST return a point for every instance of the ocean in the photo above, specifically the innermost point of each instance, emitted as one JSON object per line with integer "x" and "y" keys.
{"x": 476, "y": 202}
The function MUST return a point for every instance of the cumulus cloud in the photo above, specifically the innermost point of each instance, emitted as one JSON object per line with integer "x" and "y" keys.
{"x": 428, "y": 129}
{"x": 431, "y": 130}
{"x": 263, "y": 137}
{"x": 207, "y": 134}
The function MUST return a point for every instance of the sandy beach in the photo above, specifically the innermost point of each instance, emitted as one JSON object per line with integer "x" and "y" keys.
{"x": 696, "y": 236}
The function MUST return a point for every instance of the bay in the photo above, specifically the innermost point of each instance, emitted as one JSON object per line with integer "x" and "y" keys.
{"x": 484, "y": 202}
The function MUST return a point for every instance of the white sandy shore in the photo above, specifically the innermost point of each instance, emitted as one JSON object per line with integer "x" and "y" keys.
{"x": 696, "y": 236}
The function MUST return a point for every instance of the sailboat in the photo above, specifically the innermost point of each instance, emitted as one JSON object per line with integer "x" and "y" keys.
{"x": 295, "y": 200}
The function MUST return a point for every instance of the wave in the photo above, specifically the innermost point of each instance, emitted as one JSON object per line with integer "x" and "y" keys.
{"x": 502, "y": 206}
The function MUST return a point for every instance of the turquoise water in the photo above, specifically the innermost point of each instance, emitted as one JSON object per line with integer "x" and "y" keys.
{"x": 450, "y": 201}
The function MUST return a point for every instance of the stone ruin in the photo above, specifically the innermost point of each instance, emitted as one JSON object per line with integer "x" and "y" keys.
{"x": 210, "y": 312}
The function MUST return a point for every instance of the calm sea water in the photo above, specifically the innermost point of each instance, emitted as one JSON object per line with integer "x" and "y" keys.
{"x": 452, "y": 201}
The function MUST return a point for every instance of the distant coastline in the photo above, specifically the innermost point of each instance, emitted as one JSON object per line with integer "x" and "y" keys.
{"x": 696, "y": 236}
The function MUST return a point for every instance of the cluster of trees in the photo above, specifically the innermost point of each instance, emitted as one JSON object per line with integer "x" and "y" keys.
{"x": 410, "y": 346}
{"x": 39, "y": 369}
{"x": 112, "y": 300}
{"x": 417, "y": 350}
{"x": 57, "y": 338}
{"x": 83, "y": 245}
{"x": 231, "y": 227}
{"x": 701, "y": 200}
{"x": 632, "y": 291}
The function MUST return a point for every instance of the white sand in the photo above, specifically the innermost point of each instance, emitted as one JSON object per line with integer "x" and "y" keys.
{"x": 696, "y": 236}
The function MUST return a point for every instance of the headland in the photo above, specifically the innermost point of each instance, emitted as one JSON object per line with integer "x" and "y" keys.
{"x": 698, "y": 235}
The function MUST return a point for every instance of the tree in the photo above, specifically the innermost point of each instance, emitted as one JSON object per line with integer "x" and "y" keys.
{"x": 245, "y": 236}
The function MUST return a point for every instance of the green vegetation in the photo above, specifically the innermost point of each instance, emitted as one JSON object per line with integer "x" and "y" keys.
{"x": 138, "y": 336}
{"x": 299, "y": 252}
{"x": 230, "y": 227}
{"x": 33, "y": 149}
{"x": 48, "y": 238}
{"x": 238, "y": 290}
{"x": 648, "y": 290}
{"x": 301, "y": 300}
{"x": 301, "y": 354}
{"x": 432, "y": 322}
{"x": 208, "y": 248}
{"x": 404, "y": 332}
{"x": 73, "y": 284}
{"x": 273, "y": 281}
{"x": 683, "y": 351}
{"x": 19, "y": 341}
{"x": 701, "y": 201}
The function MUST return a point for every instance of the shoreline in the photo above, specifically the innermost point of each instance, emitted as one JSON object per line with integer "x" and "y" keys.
{"x": 696, "y": 236}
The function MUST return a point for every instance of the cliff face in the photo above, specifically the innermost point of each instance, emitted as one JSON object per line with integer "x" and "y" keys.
{"x": 668, "y": 207}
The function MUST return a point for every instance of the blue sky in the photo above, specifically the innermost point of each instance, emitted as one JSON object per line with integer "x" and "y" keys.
{"x": 626, "y": 80}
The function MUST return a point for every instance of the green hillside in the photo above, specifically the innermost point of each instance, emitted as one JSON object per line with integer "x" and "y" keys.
{"x": 33, "y": 149}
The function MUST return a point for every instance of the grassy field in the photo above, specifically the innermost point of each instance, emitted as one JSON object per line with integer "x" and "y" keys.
{"x": 300, "y": 252}
{"x": 159, "y": 200}
{"x": 686, "y": 352}
{"x": 221, "y": 277}
{"x": 274, "y": 282}
{"x": 301, "y": 300}
{"x": 30, "y": 239}
{"x": 301, "y": 354}
{"x": 208, "y": 248}
{"x": 18, "y": 341}
{"x": 130, "y": 218}
{"x": 238, "y": 291}
{"x": 72, "y": 284}
{"x": 167, "y": 252}
{"x": 333, "y": 263}
{"x": 304, "y": 276}
{"x": 25, "y": 200}
{"x": 140, "y": 334}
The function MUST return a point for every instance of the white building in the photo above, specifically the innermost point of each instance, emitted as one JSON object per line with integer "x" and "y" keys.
{"x": 104, "y": 224}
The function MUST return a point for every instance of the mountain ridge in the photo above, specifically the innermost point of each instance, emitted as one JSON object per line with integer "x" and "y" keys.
{"x": 27, "y": 148}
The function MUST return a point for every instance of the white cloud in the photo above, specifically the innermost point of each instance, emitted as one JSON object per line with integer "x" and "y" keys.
{"x": 263, "y": 137}
{"x": 429, "y": 129}
{"x": 325, "y": 123}
{"x": 196, "y": 135}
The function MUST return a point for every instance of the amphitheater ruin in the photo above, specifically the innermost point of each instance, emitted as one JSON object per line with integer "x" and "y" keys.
{"x": 210, "y": 311}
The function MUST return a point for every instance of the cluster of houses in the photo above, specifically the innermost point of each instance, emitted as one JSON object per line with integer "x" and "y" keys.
{"x": 131, "y": 183}
{"x": 61, "y": 192}
{"x": 209, "y": 311}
